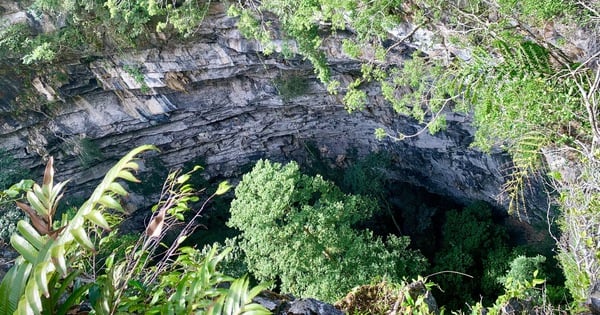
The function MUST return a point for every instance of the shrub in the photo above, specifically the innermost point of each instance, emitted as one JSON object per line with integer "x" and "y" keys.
{"x": 298, "y": 230}
{"x": 290, "y": 86}
{"x": 472, "y": 243}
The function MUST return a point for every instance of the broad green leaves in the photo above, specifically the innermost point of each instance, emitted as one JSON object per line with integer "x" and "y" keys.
{"x": 13, "y": 285}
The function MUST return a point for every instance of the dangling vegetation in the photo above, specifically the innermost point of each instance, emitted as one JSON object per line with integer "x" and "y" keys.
{"x": 526, "y": 94}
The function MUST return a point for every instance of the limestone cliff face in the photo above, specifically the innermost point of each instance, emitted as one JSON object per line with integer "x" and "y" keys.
{"x": 218, "y": 99}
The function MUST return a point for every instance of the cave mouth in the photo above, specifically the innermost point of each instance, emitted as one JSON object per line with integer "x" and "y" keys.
{"x": 442, "y": 229}
{"x": 413, "y": 211}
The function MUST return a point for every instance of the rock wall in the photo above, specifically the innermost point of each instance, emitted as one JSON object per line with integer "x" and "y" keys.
{"x": 217, "y": 99}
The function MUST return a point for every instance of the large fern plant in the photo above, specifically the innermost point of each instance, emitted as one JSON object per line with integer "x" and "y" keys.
{"x": 43, "y": 279}
{"x": 45, "y": 249}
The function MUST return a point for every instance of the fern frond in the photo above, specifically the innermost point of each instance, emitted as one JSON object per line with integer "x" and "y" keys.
{"x": 238, "y": 300}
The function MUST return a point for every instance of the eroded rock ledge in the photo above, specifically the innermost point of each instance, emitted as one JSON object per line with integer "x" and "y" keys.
{"x": 217, "y": 99}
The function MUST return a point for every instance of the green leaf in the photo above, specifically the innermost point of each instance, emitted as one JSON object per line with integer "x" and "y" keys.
{"x": 58, "y": 258}
{"x": 30, "y": 234}
{"x": 97, "y": 218}
{"x": 536, "y": 281}
{"x": 110, "y": 203}
{"x": 37, "y": 205}
{"x": 183, "y": 178}
{"x": 40, "y": 274}
{"x": 223, "y": 188}
{"x": 13, "y": 286}
{"x": 196, "y": 168}
{"x": 32, "y": 297}
{"x": 127, "y": 175}
{"x": 117, "y": 189}
{"x": 82, "y": 238}
{"x": 23, "y": 247}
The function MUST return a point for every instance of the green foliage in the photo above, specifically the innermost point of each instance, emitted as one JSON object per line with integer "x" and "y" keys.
{"x": 538, "y": 11}
{"x": 91, "y": 25}
{"x": 521, "y": 269}
{"x": 577, "y": 279}
{"x": 522, "y": 282}
{"x": 472, "y": 243}
{"x": 529, "y": 100}
{"x": 509, "y": 82}
{"x": 193, "y": 283}
{"x": 301, "y": 20}
{"x": 41, "y": 53}
{"x": 11, "y": 173}
{"x": 299, "y": 230}
{"x": 13, "y": 285}
{"x": 233, "y": 263}
{"x": 290, "y": 86}
{"x": 64, "y": 294}
{"x": 579, "y": 254}
{"x": 183, "y": 280}
{"x": 518, "y": 100}
{"x": 46, "y": 250}
{"x": 523, "y": 91}
{"x": 53, "y": 256}
{"x": 138, "y": 76}
{"x": 14, "y": 40}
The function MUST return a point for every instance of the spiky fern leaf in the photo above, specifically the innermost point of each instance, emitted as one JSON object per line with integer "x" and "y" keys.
{"x": 527, "y": 161}
{"x": 45, "y": 250}
{"x": 238, "y": 300}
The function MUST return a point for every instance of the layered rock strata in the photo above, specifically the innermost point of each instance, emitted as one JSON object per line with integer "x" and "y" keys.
{"x": 219, "y": 99}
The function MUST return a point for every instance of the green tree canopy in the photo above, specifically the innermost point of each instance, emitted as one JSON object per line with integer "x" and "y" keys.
{"x": 299, "y": 230}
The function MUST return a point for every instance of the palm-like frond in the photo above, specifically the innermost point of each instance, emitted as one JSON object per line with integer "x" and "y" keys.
{"x": 45, "y": 250}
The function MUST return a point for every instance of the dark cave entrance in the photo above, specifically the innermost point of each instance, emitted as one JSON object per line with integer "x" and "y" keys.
{"x": 406, "y": 210}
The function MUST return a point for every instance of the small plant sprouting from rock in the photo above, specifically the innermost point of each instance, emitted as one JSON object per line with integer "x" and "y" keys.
{"x": 291, "y": 86}
{"x": 86, "y": 150}
{"x": 138, "y": 76}
{"x": 11, "y": 173}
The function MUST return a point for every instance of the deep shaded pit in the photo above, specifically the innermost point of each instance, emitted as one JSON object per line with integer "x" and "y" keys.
{"x": 435, "y": 224}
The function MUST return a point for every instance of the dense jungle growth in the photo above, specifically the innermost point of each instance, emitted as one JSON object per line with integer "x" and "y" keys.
{"x": 317, "y": 233}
